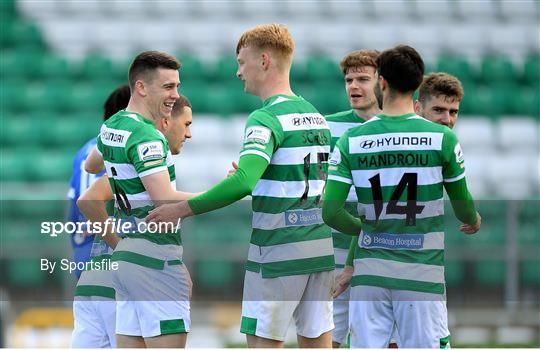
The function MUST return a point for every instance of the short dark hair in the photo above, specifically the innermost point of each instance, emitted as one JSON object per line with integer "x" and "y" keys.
{"x": 402, "y": 67}
{"x": 117, "y": 100}
{"x": 179, "y": 106}
{"x": 147, "y": 62}
{"x": 437, "y": 84}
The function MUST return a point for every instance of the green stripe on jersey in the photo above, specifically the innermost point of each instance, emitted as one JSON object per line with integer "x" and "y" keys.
{"x": 95, "y": 291}
{"x": 132, "y": 148}
{"x": 405, "y": 157}
{"x": 295, "y": 138}
{"x": 339, "y": 123}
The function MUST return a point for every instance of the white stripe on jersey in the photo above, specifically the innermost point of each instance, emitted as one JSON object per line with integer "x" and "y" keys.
{"x": 291, "y": 251}
{"x": 287, "y": 189}
{"x": 302, "y": 121}
{"x": 400, "y": 141}
{"x": 296, "y": 155}
{"x": 399, "y": 270}
{"x": 431, "y": 209}
{"x": 392, "y": 176}
{"x": 337, "y": 129}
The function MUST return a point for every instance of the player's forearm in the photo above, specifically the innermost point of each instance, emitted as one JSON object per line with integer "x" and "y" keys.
{"x": 334, "y": 213}
{"x": 462, "y": 201}
{"x": 94, "y": 162}
{"x": 352, "y": 249}
{"x": 96, "y": 212}
{"x": 233, "y": 188}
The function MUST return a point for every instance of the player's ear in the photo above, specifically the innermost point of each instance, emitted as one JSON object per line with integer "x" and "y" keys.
{"x": 265, "y": 60}
{"x": 417, "y": 107}
{"x": 140, "y": 88}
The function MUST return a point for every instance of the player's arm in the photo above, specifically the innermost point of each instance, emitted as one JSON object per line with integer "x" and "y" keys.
{"x": 160, "y": 190}
{"x": 94, "y": 162}
{"x": 261, "y": 139}
{"x": 343, "y": 280}
{"x": 455, "y": 184}
{"x": 92, "y": 204}
{"x": 336, "y": 191}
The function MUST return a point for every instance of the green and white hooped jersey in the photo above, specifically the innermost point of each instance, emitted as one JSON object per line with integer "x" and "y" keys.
{"x": 289, "y": 236}
{"x": 132, "y": 148}
{"x": 339, "y": 123}
{"x": 397, "y": 166}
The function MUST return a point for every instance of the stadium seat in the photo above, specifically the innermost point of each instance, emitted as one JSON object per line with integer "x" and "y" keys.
{"x": 25, "y": 273}
{"x": 18, "y": 129}
{"x": 530, "y": 273}
{"x": 518, "y": 135}
{"x": 497, "y": 69}
{"x": 20, "y": 63}
{"x": 490, "y": 273}
{"x": 514, "y": 175}
{"x": 454, "y": 273}
{"x": 95, "y": 67}
{"x": 214, "y": 273}
{"x": 22, "y": 34}
{"x": 526, "y": 101}
{"x": 531, "y": 70}
{"x": 225, "y": 68}
{"x": 53, "y": 67}
{"x": 13, "y": 166}
{"x": 321, "y": 69}
{"x": 192, "y": 69}
{"x": 50, "y": 166}
{"x": 522, "y": 11}
{"x": 476, "y": 134}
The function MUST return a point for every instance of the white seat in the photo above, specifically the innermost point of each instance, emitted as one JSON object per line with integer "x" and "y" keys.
{"x": 475, "y": 134}
{"x": 519, "y": 11}
{"x": 475, "y": 11}
{"x": 207, "y": 132}
{"x": 514, "y": 175}
{"x": 399, "y": 10}
{"x": 478, "y": 181}
{"x": 518, "y": 134}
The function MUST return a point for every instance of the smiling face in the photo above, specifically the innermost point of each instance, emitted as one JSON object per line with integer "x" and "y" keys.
{"x": 359, "y": 84}
{"x": 162, "y": 92}
{"x": 440, "y": 109}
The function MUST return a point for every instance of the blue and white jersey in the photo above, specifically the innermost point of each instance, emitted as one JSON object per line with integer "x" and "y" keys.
{"x": 80, "y": 181}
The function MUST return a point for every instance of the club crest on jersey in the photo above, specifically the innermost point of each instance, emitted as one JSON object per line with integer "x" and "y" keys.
{"x": 335, "y": 159}
{"x": 150, "y": 151}
{"x": 258, "y": 134}
{"x": 459, "y": 154}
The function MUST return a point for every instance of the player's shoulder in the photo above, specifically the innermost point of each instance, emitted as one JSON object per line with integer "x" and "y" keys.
{"x": 339, "y": 116}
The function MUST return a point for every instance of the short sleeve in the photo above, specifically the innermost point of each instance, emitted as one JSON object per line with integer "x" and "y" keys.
{"x": 338, "y": 165}
{"x": 262, "y": 136}
{"x": 453, "y": 166}
{"x": 147, "y": 152}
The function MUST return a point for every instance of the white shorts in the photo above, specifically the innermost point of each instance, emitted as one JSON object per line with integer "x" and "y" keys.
{"x": 420, "y": 318}
{"x": 151, "y": 302}
{"x": 341, "y": 315}
{"x": 94, "y": 325}
{"x": 269, "y": 305}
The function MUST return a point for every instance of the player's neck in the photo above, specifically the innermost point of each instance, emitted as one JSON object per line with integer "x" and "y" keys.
{"x": 140, "y": 109}
{"x": 397, "y": 105}
{"x": 276, "y": 86}
{"x": 368, "y": 113}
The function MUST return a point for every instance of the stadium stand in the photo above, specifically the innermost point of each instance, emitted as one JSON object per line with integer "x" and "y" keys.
{"x": 60, "y": 58}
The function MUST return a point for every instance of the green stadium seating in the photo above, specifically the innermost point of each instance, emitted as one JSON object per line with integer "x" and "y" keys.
{"x": 20, "y": 63}
{"x": 321, "y": 70}
{"x": 225, "y": 68}
{"x": 96, "y": 67}
{"x": 198, "y": 94}
{"x": 497, "y": 69}
{"x": 50, "y": 165}
{"x": 454, "y": 273}
{"x": 531, "y": 70}
{"x": 457, "y": 66}
{"x": 18, "y": 129}
{"x": 530, "y": 272}
{"x": 214, "y": 273}
{"x": 53, "y": 67}
{"x": 25, "y": 273}
{"x": 483, "y": 100}
{"x": 526, "y": 101}
{"x": 490, "y": 273}
{"x": 192, "y": 69}
{"x": 13, "y": 166}
{"x": 21, "y": 34}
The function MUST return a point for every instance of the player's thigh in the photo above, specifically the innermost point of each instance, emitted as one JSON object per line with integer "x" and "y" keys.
{"x": 421, "y": 319}
{"x": 106, "y": 310}
{"x": 268, "y": 304}
{"x": 88, "y": 331}
{"x": 177, "y": 340}
{"x": 371, "y": 318}
{"x": 314, "y": 314}
{"x": 128, "y": 341}
{"x": 341, "y": 316}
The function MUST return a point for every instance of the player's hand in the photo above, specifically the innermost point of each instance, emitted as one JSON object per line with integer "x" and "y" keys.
{"x": 233, "y": 170}
{"x": 472, "y": 229}
{"x": 343, "y": 280}
{"x": 169, "y": 213}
